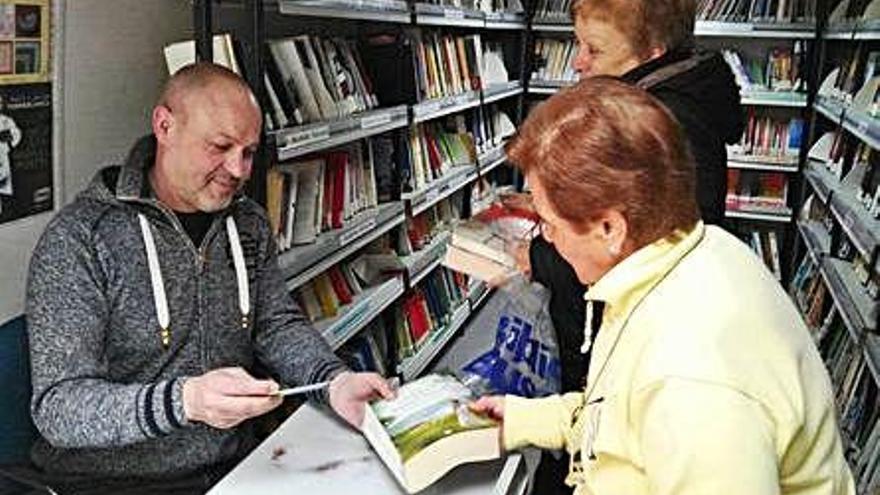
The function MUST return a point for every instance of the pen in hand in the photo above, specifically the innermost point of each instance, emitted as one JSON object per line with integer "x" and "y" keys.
{"x": 284, "y": 392}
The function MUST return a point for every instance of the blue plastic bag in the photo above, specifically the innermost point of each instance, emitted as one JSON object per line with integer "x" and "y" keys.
{"x": 524, "y": 359}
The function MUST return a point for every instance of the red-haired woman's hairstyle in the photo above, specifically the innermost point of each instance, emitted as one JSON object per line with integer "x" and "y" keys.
{"x": 603, "y": 144}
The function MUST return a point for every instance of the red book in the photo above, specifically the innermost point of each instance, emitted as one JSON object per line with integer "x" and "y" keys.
{"x": 340, "y": 286}
{"x": 338, "y": 165}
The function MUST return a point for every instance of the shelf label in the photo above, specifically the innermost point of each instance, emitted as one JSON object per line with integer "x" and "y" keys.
{"x": 371, "y": 121}
{"x": 357, "y": 231}
{"x": 300, "y": 138}
{"x": 432, "y": 195}
{"x": 453, "y": 14}
{"x": 429, "y": 108}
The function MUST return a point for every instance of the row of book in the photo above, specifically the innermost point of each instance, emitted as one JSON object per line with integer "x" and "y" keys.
{"x": 448, "y": 65}
{"x": 485, "y": 6}
{"x": 428, "y": 309}
{"x": 756, "y": 191}
{"x": 369, "y": 350}
{"x": 818, "y": 213}
{"x": 323, "y": 296}
{"x": 847, "y": 10}
{"x": 780, "y": 70}
{"x": 491, "y": 127}
{"x": 311, "y": 78}
{"x": 431, "y": 224}
{"x": 765, "y": 244}
{"x": 855, "y": 82}
{"x": 757, "y": 10}
{"x": 553, "y": 60}
{"x": 322, "y": 191}
{"x": 852, "y": 162}
{"x": 769, "y": 136}
{"x": 436, "y": 148}
{"x": 855, "y": 388}
{"x": 553, "y": 10}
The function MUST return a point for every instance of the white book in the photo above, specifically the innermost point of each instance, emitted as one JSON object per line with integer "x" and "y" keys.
{"x": 291, "y": 68}
{"x": 292, "y": 185}
{"x": 427, "y": 429}
{"x": 313, "y": 73}
{"x": 370, "y": 176}
{"x": 821, "y": 149}
{"x": 279, "y": 117}
{"x": 774, "y": 254}
{"x": 183, "y": 53}
{"x": 310, "y": 186}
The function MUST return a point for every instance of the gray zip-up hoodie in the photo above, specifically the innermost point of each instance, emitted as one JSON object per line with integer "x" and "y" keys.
{"x": 106, "y": 391}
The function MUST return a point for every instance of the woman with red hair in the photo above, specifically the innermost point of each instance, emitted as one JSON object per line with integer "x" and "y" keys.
{"x": 703, "y": 378}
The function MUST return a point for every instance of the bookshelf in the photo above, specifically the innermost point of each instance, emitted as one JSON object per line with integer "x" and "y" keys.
{"x": 407, "y": 106}
{"x": 836, "y": 249}
{"x": 421, "y": 140}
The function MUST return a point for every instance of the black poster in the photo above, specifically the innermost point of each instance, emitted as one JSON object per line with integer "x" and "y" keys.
{"x": 25, "y": 150}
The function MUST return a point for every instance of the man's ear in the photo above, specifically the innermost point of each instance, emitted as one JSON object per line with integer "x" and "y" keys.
{"x": 163, "y": 122}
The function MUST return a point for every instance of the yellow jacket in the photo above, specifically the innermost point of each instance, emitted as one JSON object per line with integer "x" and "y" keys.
{"x": 703, "y": 380}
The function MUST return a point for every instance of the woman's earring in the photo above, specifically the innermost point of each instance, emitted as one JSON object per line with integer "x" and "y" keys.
{"x": 613, "y": 250}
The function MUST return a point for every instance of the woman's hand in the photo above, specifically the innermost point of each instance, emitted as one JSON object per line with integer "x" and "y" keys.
{"x": 490, "y": 405}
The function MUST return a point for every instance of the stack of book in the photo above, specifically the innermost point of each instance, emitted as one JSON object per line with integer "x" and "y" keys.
{"x": 757, "y": 10}
{"x": 553, "y": 59}
{"x": 436, "y": 148}
{"x": 307, "y": 197}
{"x": 481, "y": 246}
{"x": 310, "y": 79}
{"x": 770, "y": 137}
{"x": 448, "y": 65}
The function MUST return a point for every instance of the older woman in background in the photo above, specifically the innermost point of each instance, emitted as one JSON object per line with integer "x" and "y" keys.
{"x": 704, "y": 379}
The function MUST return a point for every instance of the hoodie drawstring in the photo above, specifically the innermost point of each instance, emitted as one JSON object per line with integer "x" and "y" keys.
{"x": 159, "y": 296}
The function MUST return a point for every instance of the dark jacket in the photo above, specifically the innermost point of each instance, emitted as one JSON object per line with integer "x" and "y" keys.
{"x": 106, "y": 391}
{"x": 700, "y": 91}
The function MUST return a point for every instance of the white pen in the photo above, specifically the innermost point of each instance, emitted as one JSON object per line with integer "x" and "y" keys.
{"x": 301, "y": 389}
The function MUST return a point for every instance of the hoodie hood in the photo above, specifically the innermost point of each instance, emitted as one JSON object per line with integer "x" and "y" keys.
{"x": 126, "y": 182}
{"x": 701, "y": 88}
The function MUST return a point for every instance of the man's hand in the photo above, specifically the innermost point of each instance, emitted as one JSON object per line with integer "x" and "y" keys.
{"x": 349, "y": 392}
{"x": 225, "y": 397}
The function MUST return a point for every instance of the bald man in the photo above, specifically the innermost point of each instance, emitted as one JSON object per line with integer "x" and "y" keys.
{"x": 153, "y": 296}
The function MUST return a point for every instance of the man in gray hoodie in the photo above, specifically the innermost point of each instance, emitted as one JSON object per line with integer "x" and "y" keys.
{"x": 153, "y": 294}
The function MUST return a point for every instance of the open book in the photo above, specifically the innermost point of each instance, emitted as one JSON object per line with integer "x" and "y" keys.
{"x": 481, "y": 246}
{"x": 428, "y": 429}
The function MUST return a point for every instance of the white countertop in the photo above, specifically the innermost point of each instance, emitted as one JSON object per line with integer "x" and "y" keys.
{"x": 314, "y": 453}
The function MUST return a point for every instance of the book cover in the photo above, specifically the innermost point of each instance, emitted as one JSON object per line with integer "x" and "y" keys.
{"x": 427, "y": 430}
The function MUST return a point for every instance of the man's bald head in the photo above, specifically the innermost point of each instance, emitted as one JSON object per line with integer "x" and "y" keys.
{"x": 203, "y": 79}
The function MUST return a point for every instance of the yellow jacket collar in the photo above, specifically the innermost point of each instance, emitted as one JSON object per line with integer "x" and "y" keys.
{"x": 628, "y": 282}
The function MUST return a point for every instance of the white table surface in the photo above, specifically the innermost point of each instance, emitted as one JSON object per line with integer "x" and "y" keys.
{"x": 315, "y": 453}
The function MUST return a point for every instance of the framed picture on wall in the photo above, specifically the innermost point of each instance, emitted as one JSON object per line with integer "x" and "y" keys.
{"x": 26, "y": 25}
{"x": 26, "y": 179}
